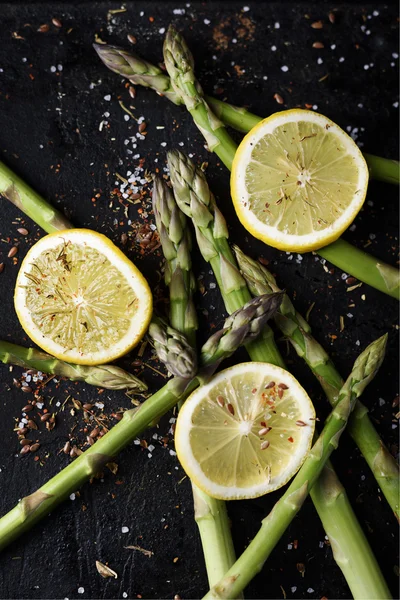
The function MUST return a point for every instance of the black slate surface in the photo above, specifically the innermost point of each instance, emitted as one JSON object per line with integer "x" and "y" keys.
{"x": 53, "y": 98}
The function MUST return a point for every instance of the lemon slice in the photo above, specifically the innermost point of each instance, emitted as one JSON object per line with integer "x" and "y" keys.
{"x": 80, "y": 299}
{"x": 298, "y": 181}
{"x": 246, "y": 432}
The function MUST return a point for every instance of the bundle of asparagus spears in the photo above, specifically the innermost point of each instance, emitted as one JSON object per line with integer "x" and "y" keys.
{"x": 251, "y": 297}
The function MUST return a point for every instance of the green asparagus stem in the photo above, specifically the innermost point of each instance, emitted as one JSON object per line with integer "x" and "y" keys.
{"x": 273, "y": 526}
{"x": 362, "y": 572}
{"x": 196, "y": 200}
{"x": 105, "y": 376}
{"x": 179, "y": 62}
{"x": 26, "y": 199}
{"x": 298, "y": 331}
{"x": 141, "y": 72}
{"x": 383, "y": 169}
{"x": 210, "y": 514}
{"x": 363, "y": 266}
{"x": 247, "y": 322}
{"x": 176, "y": 245}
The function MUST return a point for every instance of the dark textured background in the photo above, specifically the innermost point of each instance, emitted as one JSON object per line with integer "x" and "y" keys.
{"x": 52, "y": 118}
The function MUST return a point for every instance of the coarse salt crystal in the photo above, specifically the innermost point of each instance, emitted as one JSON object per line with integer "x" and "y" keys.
{"x": 207, "y": 21}
{"x": 107, "y": 98}
{"x": 81, "y": 590}
{"x": 273, "y": 48}
{"x": 72, "y": 496}
{"x": 124, "y": 529}
{"x": 341, "y": 59}
{"x": 179, "y": 11}
{"x": 277, "y": 25}
{"x": 310, "y": 590}
{"x": 245, "y": 8}
{"x": 319, "y": 61}
{"x": 285, "y": 69}
{"x": 53, "y": 69}
{"x": 162, "y": 30}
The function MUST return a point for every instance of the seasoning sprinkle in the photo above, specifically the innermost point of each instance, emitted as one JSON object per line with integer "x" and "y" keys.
{"x": 34, "y": 447}
{"x": 25, "y": 450}
{"x": 331, "y": 17}
{"x": 56, "y": 22}
{"x": 264, "y": 431}
{"x": 13, "y": 251}
{"x": 1, "y": 267}
{"x": 67, "y": 447}
{"x": 131, "y": 38}
{"x": 22, "y": 231}
{"x": 318, "y": 45}
{"x": 132, "y": 92}
{"x": 317, "y": 25}
{"x": 278, "y": 98}
{"x": 26, "y": 389}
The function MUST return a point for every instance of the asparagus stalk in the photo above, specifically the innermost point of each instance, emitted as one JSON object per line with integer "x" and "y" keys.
{"x": 298, "y": 331}
{"x": 210, "y": 514}
{"x": 284, "y": 511}
{"x": 26, "y": 199}
{"x": 244, "y": 324}
{"x": 141, "y": 72}
{"x": 105, "y": 376}
{"x": 196, "y": 200}
{"x": 176, "y": 245}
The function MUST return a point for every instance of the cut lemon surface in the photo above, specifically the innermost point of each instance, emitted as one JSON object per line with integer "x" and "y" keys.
{"x": 246, "y": 432}
{"x": 298, "y": 181}
{"x": 80, "y": 298}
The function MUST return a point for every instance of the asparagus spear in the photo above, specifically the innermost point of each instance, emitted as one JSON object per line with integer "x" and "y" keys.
{"x": 340, "y": 523}
{"x": 210, "y": 514}
{"x": 284, "y": 511}
{"x": 141, "y": 72}
{"x": 243, "y": 325}
{"x": 26, "y": 199}
{"x": 176, "y": 245}
{"x": 105, "y": 376}
{"x": 298, "y": 331}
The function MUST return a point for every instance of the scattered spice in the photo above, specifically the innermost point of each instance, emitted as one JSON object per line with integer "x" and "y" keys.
{"x": 317, "y": 25}
{"x": 13, "y": 251}
{"x": 105, "y": 571}
{"x": 278, "y": 98}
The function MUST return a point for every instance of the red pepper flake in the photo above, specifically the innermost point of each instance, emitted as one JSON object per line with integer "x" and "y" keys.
{"x": 317, "y": 25}
{"x": 254, "y": 391}
{"x": 151, "y": 19}
{"x": 290, "y": 439}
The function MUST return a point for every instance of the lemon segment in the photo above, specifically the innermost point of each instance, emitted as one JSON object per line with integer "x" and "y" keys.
{"x": 298, "y": 181}
{"x": 80, "y": 298}
{"x": 246, "y": 432}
